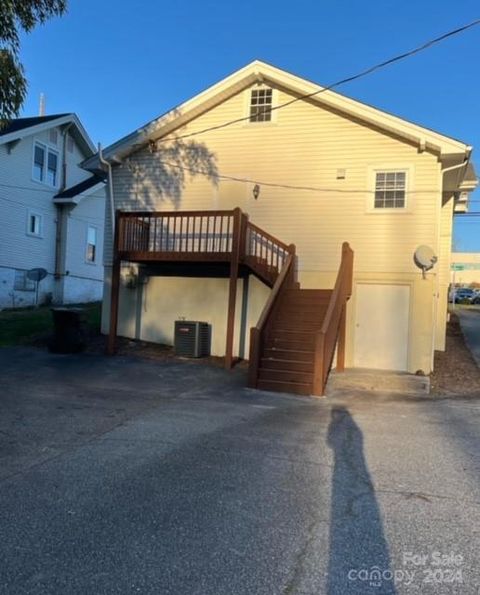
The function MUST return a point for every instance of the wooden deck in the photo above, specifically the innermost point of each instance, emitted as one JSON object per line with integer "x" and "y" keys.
{"x": 226, "y": 243}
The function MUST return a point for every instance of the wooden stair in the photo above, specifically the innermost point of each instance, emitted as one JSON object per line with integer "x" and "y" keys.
{"x": 288, "y": 353}
{"x": 294, "y": 341}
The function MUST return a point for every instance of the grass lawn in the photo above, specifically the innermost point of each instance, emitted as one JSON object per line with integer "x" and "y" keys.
{"x": 22, "y": 326}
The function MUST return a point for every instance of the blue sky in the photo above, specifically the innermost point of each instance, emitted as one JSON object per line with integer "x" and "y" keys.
{"x": 119, "y": 64}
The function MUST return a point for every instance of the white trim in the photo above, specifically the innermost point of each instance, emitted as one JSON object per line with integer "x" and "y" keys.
{"x": 33, "y": 213}
{"x": 409, "y": 170}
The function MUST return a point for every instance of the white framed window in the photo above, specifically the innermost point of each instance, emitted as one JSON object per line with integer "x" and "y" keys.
{"x": 34, "y": 224}
{"x": 69, "y": 144}
{"x": 45, "y": 164}
{"x": 52, "y": 168}
{"x": 39, "y": 155}
{"x": 91, "y": 250}
{"x": 390, "y": 189}
{"x": 22, "y": 282}
{"x": 261, "y": 103}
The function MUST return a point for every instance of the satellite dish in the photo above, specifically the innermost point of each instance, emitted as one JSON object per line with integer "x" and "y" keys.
{"x": 36, "y": 274}
{"x": 424, "y": 258}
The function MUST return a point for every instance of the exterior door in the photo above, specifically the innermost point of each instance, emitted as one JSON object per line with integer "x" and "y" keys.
{"x": 381, "y": 326}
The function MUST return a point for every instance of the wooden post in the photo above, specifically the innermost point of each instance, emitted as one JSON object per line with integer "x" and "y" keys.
{"x": 255, "y": 349}
{"x": 232, "y": 293}
{"x": 114, "y": 289}
{"x": 341, "y": 340}
{"x": 319, "y": 364}
{"x": 293, "y": 271}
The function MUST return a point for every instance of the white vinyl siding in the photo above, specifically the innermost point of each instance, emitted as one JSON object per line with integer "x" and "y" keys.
{"x": 21, "y": 195}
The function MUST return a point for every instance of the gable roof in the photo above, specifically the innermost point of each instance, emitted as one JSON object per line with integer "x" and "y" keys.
{"x": 258, "y": 71}
{"x": 19, "y": 128}
{"x": 22, "y": 123}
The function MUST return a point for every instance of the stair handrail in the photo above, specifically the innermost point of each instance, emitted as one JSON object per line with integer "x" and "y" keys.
{"x": 284, "y": 280}
{"x": 333, "y": 325}
{"x": 263, "y": 251}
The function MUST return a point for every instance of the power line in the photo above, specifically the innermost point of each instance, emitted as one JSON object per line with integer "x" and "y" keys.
{"x": 219, "y": 176}
{"x": 349, "y": 79}
{"x": 245, "y": 181}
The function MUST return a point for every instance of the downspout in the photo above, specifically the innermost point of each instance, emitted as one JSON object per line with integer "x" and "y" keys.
{"x": 108, "y": 165}
{"x": 60, "y": 232}
{"x": 437, "y": 280}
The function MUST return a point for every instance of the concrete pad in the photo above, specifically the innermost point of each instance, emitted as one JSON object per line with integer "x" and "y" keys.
{"x": 354, "y": 380}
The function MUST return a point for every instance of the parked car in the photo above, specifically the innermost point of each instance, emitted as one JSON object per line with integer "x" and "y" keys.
{"x": 476, "y": 297}
{"x": 464, "y": 295}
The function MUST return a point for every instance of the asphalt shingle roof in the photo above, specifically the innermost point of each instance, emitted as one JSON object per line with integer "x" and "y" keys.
{"x": 80, "y": 187}
{"x": 22, "y": 123}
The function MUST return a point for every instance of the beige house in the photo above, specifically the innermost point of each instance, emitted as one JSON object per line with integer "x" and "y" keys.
{"x": 311, "y": 168}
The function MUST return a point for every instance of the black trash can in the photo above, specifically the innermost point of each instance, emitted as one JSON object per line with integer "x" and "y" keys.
{"x": 69, "y": 334}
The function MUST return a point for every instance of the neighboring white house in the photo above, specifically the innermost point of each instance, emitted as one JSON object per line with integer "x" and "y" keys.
{"x": 52, "y": 212}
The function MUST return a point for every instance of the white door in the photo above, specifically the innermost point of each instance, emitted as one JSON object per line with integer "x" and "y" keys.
{"x": 381, "y": 326}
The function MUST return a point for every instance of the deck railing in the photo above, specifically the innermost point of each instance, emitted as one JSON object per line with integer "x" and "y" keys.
{"x": 333, "y": 324}
{"x": 184, "y": 232}
{"x": 183, "y": 235}
{"x": 265, "y": 249}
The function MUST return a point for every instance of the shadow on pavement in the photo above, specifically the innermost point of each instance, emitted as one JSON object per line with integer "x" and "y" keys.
{"x": 359, "y": 560}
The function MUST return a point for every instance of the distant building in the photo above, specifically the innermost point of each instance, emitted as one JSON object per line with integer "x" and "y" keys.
{"x": 52, "y": 212}
{"x": 465, "y": 268}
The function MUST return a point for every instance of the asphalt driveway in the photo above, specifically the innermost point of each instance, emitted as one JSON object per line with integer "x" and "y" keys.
{"x": 125, "y": 476}
{"x": 470, "y": 322}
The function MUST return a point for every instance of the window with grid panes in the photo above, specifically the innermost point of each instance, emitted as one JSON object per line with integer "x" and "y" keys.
{"x": 261, "y": 105}
{"x": 390, "y": 189}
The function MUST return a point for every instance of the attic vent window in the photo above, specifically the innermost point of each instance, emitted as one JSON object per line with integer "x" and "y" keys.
{"x": 261, "y": 105}
{"x": 390, "y": 189}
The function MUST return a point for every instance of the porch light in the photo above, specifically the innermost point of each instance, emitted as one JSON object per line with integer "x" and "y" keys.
{"x": 256, "y": 191}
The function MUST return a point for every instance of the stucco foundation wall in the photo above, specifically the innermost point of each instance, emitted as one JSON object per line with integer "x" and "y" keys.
{"x": 12, "y": 298}
{"x": 78, "y": 290}
{"x": 149, "y": 311}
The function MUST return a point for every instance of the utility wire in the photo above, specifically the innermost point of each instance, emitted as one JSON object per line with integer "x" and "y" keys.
{"x": 194, "y": 171}
{"x": 349, "y": 79}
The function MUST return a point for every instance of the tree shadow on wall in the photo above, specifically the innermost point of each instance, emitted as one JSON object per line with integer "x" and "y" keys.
{"x": 158, "y": 173}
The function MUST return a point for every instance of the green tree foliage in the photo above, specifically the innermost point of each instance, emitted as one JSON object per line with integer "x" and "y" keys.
{"x": 17, "y": 16}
